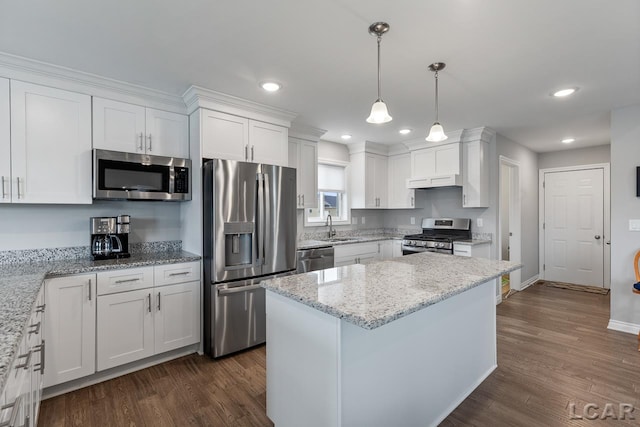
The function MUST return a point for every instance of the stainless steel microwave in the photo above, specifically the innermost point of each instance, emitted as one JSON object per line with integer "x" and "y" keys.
{"x": 132, "y": 176}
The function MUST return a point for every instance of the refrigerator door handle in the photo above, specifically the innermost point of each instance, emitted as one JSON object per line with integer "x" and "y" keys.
{"x": 238, "y": 289}
{"x": 261, "y": 224}
{"x": 266, "y": 231}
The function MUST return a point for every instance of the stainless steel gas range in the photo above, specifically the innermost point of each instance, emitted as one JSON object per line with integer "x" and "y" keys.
{"x": 438, "y": 235}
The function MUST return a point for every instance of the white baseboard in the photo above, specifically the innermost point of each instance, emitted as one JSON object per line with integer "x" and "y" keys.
{"x": 630, "y": 328}
{"x": 524, "y": 285}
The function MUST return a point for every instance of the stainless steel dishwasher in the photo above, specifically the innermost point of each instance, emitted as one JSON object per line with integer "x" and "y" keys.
{"x": 314, "y": 259}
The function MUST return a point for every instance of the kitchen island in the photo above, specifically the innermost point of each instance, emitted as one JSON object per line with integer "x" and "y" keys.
{"x": 397, "y": 342}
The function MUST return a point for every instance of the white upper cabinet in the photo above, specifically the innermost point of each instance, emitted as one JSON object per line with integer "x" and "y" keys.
{"x": 5, "y": 143}
{"x": 268, "y": 143}
{"x": 368, "y": 181}
{"x": 303, "y": 156}
{"x": 439, "y": 160}
{"x": 475, "y": 182}
{"x": 50, "y": 145}
{"x": 230, "y": 137}
{"x": 120, "y": 126}
{"x": 224, "y": 136}
{"x": 400, "y": 197}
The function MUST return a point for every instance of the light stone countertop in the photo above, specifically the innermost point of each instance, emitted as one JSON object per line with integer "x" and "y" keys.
{"x": 377, "y": 293}
{"x": 312, "y": 244}
{"x": 20, "y": 284}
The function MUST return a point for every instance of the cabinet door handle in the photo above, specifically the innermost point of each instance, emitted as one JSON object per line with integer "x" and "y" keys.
{"x": 252, "y": 152}
{"x": 40, "y": 308}
{"x": 246, "y": 152}
{"x": 303, "y": 200}
{"x": 40, "y": 348}
{"x": 13, "y": 419}
{"x": 141, "y": 147}
{"x": 149, "y": 297}
{"x": 89, "y": 289}
{"x": 411, "y": 201}
{"x": 150, "y": 142}
{"x": 464, "y": 200}
{"x": 4, "y": 193}
{"x": 158, "y": 301}
{"x": 18, "y": 179}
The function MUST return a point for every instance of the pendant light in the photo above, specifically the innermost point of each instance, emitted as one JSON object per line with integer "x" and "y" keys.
{"x": 379, "y": 113}
{"x": 436, "y": 133}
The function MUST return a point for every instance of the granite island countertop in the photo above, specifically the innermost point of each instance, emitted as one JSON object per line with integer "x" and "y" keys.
{"x": 20, "y": 284}
{"x": 374, "y": 294}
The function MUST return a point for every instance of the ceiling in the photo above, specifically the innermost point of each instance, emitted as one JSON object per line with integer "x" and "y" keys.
{"x": 504, "y": 58}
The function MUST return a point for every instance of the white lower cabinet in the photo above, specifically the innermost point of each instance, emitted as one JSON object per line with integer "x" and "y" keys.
{"x": 99, "y": 321}
{"x": 20, "y": 400}
{"x": 70, "y": 328}
{"x": 355, "y": 253}
{"x": 125, "y": 328}
{"x": 162, "y": 316}
{"x": 177, "y": 316}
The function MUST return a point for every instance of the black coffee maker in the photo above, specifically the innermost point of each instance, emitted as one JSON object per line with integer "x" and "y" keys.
{"x": 110, "y": 237}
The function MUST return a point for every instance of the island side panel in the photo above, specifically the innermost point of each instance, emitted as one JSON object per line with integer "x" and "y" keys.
{"x": 414, "y": 371}
{"x": 302, "y": 364}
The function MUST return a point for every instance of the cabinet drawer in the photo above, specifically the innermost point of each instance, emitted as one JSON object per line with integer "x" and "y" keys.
{"x": 176, "y": 273}
{"x": 461, "y": 250}
{"x": 357, "y": 249}
{"x": 110, "y": 282}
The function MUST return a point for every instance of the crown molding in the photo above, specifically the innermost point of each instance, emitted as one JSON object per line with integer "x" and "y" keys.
{"x": 46, "y": 74}
{"x": 306, "y": 132}
{"x": 369, "y": 147}
{"x": 420, "y": 143}
{"x": 398, "y": 148}
{"x": 198, "y": 97}
{"x": 484, "y": 134}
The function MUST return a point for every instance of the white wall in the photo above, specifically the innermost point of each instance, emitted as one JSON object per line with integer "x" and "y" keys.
{"x": 51, "y": 226}
{"x": 625, "y": 157}
{"x": 575, "y": 157}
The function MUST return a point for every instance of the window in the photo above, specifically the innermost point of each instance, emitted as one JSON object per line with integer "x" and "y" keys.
{"x": 332, "y": 196}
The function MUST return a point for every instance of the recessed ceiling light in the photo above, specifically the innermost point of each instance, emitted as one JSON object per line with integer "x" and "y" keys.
{"x": 568, "y": 140}
{"x": 271, "y": 86}
{"x": 404, "y": 131}
{"x": 565, "y": 92}
{"x": 346, "y": 136}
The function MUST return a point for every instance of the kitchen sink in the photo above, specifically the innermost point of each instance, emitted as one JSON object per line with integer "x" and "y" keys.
{"x": 341, "y": 239}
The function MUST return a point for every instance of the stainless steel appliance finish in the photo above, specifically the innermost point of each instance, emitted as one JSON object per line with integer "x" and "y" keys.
{"x": 249, "y": 236}
{"x": 314, "y": 259}
{"x": 438, "y": 235}
{"x": 131, "y": 176}
{"x": 109, "y": 239}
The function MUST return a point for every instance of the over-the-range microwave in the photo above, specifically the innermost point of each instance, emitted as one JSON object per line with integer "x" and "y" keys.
{"x": 131, "y": 176}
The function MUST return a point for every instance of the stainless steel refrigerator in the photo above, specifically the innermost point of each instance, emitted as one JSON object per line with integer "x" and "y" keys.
{"x": 249, "y": 235}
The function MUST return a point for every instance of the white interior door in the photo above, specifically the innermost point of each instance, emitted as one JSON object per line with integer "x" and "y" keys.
{"x": 574, "y": 226}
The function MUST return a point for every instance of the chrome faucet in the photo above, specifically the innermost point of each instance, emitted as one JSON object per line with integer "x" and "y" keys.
{"x": 329, "y": 222}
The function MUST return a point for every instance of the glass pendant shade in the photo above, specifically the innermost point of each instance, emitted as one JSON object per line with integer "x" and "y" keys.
{"x": 379, "y": 113}
{"x": 436, "y": 134}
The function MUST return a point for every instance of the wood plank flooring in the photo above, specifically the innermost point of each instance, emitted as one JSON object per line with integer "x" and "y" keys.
{"x": 553, "y": 351}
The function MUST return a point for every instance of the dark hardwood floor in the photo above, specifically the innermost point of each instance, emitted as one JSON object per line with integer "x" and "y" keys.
{"x": 554, "y": 353}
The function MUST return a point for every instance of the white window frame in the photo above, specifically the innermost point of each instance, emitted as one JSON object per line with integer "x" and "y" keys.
{"x": 335, "y": 221}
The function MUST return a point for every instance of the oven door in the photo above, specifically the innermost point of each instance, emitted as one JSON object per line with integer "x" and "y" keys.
{"x": 408, "y": 250}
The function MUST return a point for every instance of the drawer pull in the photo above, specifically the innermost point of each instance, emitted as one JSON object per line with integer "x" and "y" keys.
{"x": 39, "y": 366}
{"x": 40, "y": 308}
{"x": 27, "y": 362}
{"x": 179, "y": 274}
{"x": 127, "y": 280}
{"x": 34, "y": 329}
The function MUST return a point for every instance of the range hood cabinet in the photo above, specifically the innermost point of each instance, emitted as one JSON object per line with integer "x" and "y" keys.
{"x": 452, "y": 180}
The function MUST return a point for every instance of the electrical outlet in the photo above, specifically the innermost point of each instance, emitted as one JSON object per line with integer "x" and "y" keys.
{"x": 363, "y": 220}
{"x": 354, "y": 220}
{"x": 634, "y": 225}
{"x": 413, "y": 220}
{"x": 479, "y": 222}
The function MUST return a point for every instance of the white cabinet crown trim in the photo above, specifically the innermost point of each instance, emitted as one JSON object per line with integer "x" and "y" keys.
{"x": 198, "y": 97}
{"x": 45, "y": 74}
{"x": 305, "y": 132}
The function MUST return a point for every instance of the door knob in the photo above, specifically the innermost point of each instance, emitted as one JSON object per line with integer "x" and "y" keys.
{"x": 597, "y": 236}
